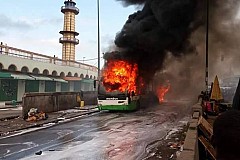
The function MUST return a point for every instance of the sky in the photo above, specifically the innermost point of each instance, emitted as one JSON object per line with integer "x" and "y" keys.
{"x": 34, "y": 25}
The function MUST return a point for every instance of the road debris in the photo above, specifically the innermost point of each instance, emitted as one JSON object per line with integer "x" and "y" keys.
{"x": 35, "y": 115}
{"x": 38, "y": 153}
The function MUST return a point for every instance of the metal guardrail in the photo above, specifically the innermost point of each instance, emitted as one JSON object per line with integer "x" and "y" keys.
{"x": 15, "y": 52}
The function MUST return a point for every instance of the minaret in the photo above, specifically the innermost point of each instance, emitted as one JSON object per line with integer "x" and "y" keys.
{"x": 68, "y": 40}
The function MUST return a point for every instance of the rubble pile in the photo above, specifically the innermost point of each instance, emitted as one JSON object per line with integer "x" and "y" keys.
{"x": 35, "y": 115}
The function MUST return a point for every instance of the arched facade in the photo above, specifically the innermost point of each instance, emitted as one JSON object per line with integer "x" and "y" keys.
{"x": 35, "y": 71}
{"x": 69, "y": 74}
{"x": 54, "y": 73}
{"x": 62, "y": 74}
{"x": 75, "y": 75}
{"x": 1, "y": 66}
{"x": 45, "y": 72}
{"x": 13, "y": 63}
{"x": 24, "y": 69}
{"x": 12, "y": 67}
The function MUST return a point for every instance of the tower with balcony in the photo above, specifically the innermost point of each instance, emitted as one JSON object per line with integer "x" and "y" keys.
{"x": 68, "y": 39}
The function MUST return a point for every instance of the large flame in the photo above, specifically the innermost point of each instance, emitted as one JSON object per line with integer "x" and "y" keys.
{"x": 162, "y": 91}
{"x": 120, "y": 75}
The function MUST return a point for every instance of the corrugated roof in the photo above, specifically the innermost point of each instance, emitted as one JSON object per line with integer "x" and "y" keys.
{"x": 60, "y": 80}
{"x": 21, "y": 76}
{"x": 41, "y": 78}
{"x": 8, "y": 75}
{"x": 5, "y": 75}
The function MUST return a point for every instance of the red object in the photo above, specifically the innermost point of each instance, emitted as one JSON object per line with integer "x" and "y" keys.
{"x": 209, "y": 107}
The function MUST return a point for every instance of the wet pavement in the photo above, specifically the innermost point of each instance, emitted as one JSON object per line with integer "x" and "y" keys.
{"x": 104, "y": 135}
{"x": 11, "y": 121}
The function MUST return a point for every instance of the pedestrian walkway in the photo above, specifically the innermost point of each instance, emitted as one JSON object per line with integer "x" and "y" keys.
{"x": 10, "y": 113}
{"x": 7, "y": 105}
{"x": 11, "y": 119}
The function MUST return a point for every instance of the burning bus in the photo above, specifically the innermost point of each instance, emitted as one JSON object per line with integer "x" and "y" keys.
{"x": 118, "y": 88}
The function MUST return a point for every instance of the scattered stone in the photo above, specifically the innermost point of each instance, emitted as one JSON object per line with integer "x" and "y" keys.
{"x": 38, "y": 153}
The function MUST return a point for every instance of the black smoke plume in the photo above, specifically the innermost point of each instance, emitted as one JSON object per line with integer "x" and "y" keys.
{"x": 162, "y": 26}
{"x": 158, "y": 38}
{"x": 131, "y": 2}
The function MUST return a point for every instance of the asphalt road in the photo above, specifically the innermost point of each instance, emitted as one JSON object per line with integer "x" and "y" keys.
{"x": 100, "y": 136}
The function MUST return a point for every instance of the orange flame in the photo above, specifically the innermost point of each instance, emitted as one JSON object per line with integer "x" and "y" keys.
{"x": 162, "y": 91}
{"x": 120, "y": 75}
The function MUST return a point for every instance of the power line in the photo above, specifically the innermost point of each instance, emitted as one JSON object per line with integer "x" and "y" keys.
{"x": 89, "y": 59}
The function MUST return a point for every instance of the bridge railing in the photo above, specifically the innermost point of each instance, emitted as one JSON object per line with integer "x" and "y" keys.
{"x": 11, "y": 51}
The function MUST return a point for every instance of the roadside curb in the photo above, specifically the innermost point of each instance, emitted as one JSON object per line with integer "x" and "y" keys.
{"x": 54, "y": 122}
{"x": 190, "y": 146}
{"x": 8, "y": 118}
{"x": 7, "y": 107}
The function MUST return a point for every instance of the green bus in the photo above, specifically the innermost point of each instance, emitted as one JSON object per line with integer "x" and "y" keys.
{"x": 118, "y": 101}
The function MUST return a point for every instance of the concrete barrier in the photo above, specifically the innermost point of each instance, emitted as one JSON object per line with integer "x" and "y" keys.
{"x": 190, "y": 147}
{"x": 57, "y": 101}
{"x": 89, "y": 97}
{"x": 49, "y": 102}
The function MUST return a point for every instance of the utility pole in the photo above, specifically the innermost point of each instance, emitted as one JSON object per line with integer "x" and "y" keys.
{"x": 207, "y": 25}
{"x": 98, "y": 16}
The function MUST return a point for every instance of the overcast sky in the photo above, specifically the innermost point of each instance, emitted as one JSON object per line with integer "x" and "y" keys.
{"x": 34, "y": 25}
